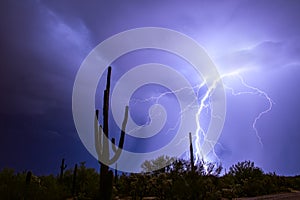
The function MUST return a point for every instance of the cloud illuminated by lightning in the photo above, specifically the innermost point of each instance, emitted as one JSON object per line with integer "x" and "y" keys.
{"x": 205, "y": 104}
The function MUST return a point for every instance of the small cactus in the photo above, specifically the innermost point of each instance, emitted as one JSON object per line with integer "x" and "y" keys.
{"x": 28, "y": 177}
{"x": 62, "y": 168}
{"x": 116, "y": 173}
{"x": 27, "y": 185}
{"x": 74, "y": 181}
{"x": 191, "y": 153}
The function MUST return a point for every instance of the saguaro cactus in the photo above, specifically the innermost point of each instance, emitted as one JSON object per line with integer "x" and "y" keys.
{"x": 74, "y": 181}
{"x": 191, "y": 152}
{"x": 27, "y": 183}
{"x": 28, "y": 177}
{"x": 102, "y": 144}
{"x": 116, "y": 173}
{"x": 62, "y": 168}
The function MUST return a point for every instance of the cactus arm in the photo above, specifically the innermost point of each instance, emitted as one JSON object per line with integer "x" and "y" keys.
{"x": 122, "y": 138}
{"x": 113, "y": 146}
{"x": 100, "y": 140}
{"x": 98, "y": 135}
{"x": 96, "y": 132}
{"x": 121, "y": 142}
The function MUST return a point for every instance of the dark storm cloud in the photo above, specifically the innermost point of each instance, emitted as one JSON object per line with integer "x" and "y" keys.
{"x": 40, "y": 55}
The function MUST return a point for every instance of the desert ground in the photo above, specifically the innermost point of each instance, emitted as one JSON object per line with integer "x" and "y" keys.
{"x": 290, "y": 196}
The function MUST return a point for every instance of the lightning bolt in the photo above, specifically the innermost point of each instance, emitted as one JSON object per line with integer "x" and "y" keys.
{"x": 251, "y": 91}
{"x": 157, "y": 98}
{"x": 205, "y": 104}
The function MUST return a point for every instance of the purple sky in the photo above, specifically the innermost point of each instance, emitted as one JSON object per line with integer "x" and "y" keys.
{"x": 44, "y": 42}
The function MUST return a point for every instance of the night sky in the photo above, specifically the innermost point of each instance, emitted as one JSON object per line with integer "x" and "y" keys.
{"x": 43, "y": 44}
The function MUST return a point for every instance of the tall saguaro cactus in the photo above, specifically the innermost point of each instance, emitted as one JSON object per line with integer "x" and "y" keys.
{"x": 102, "y": 144}
{"x": 191, "y": 152}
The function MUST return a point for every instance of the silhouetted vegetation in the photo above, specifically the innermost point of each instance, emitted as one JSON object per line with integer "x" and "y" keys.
{"x": 175, "y": 181}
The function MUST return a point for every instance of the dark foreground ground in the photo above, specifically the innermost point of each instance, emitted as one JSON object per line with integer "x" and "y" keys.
{"x": 290, "y": 196}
